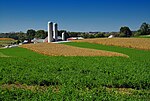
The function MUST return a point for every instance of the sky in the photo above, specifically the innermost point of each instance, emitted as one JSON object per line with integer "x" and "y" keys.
{"x": 73, "y": 15}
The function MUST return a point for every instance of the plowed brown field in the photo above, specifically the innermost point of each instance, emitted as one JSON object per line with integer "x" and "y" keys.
{"x": 138, "y": 43}
{"x": 52, "y": 49}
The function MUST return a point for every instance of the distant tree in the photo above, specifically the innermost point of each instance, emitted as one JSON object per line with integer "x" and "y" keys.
{"x": 40, "y": 34}
{"x": 125, "y": 32}
{"x": 13, "y": 36}
{"x": 85, "y": 35}
{"x": 96, "y": 35}
{"x": 144, "y": 29}
{"x": 30, "y": 34}
{"x": 91, "y": 36}
{"x": 61, "y": 31}
{"x": 73, "y": 34}
{"x": 18, "y": 41}
{"x": 21, "y": 36}
{"x": 115, "y": 34}
{"x": 136, "y": 33}
{"x": 107, "y": 35}
{"x": 122, "y": 35}
{"x": 99, "y": 35}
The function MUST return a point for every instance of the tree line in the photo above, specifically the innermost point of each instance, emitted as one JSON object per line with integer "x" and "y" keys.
{"x": 29, "y": 35}
{"x": 124, "y": 32}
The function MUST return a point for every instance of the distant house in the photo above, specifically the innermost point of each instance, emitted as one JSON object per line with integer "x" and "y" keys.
{"x": 75, "y": 38}
{"x": 37, "y": 40}
{"x": 25, "y": 41}
{"x": 111, "y": 36}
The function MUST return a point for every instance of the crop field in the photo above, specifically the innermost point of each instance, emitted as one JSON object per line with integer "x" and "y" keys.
{"x": 52, "y": 49}
{"x": 6, "y": 41}
{"x": 138, "y": 43}
{"x": 29, "y": 76}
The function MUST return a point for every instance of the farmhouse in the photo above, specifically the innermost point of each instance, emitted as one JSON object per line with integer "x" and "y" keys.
{"x": 111, "y": 36}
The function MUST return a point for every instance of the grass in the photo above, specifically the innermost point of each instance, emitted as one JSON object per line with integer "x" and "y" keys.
{"x": 144, "y": 36}
{"x": 24, "y": 75}
{"x": 3, "y": 55}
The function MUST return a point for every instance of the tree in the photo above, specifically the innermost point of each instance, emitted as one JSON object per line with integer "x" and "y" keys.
{"x": 30, "y": 34}
{"x": 61, "y": 31}
{"x": 91, "y": 35}
{"x": 40, "y": 34}
{"x": 144, "y": 29}
{"x": 125, "y": 32}
{"x": 99, "y": 35}
{"x": 21, "y": 36}
{"x": 73, "y": 34}
{"x": 13, "y": 36}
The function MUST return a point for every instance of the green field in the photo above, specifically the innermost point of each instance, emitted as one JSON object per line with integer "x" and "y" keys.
{"x": 143, "y": 36}
{"x": 26, "y": 76}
